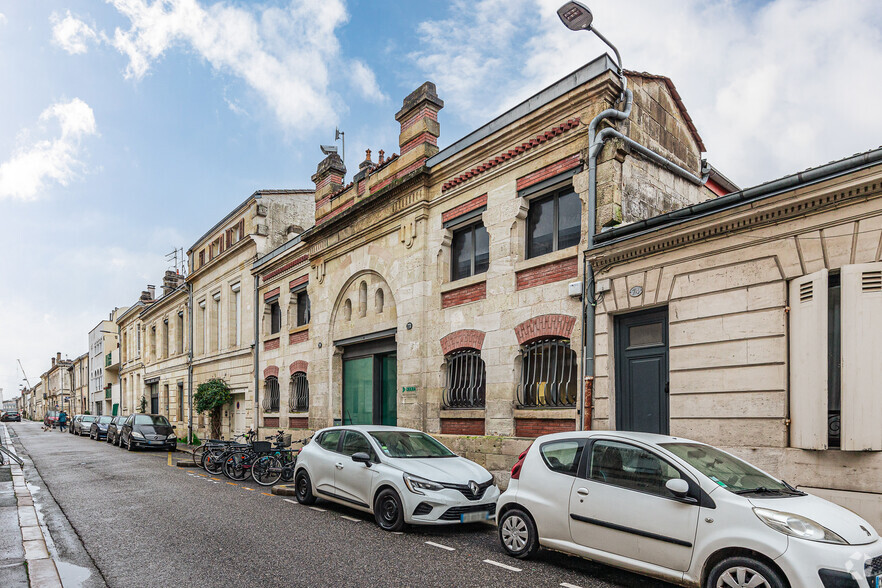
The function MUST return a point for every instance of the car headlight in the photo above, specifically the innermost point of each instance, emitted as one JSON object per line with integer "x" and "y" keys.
{"x": 416, "y": 484}
{"x": 797, "y": 526}
{"x": 137, "y": 435}
{"x": 171, "y": 438}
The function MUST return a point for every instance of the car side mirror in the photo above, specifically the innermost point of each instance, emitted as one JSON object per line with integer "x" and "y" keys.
{"x": 678, "y": 487}
{"x": 362, "y": 457}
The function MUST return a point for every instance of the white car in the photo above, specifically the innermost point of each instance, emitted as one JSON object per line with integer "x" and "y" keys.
{"x": 681, "y": 511}
{"x": 400, "y": 475}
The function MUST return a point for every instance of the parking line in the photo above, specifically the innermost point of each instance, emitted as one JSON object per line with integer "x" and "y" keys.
{"x": 568, "y": 585}
{"x": 247, "y": 488}
{"x": 502, "y": 565}
{"x": 291, "y": 501}
{"x": 318, "y": 509}
{"x": 439, "y": 546}
{"x": 169, "y": 458}
{"x": 232, "y": 483}
{"x": 266, "y": 493}
{"x": 353, "y": 519}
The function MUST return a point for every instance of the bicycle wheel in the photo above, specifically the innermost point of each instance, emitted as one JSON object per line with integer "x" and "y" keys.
{"x": 236, "y": 466}
{"x": 267, "y": 470}
{"x": 214, "y": 462}
{"x": 197, "y": 455}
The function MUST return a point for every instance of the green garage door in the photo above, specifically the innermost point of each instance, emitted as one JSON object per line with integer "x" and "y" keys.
{"x": 370, "y": 384}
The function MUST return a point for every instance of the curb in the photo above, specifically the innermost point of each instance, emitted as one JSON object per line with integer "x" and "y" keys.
{"x": 284, "y": 490}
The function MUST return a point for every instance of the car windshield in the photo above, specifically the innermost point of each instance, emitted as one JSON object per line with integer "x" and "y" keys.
{"x": 409, "y": 444}
{"x": 89, "y": 419}
{"x": 725, "y": 470}
{"x": 150, "y": 419}
{"x": 105, "y": 419}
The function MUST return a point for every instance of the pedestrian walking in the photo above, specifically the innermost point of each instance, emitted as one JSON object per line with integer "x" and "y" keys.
{"x": 62, "y": 420}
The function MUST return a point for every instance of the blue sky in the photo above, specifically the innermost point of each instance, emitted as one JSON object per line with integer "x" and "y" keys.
{"x": 129, "y": 127}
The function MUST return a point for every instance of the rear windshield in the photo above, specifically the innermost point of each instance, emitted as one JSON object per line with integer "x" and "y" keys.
{"x": 89, "y": 418}
{"x": 151, "y": 419}
{"x": 104, "y": 419}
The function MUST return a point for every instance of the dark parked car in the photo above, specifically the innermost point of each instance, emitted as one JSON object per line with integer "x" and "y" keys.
{"x": 98, "y": 429}
{"x": 113, "y": 429}
{"x": 147, "y": 430}
{"x": 51, "y": 418}
{"x": 82, "y": 425}
{"x": 11, "y": 416}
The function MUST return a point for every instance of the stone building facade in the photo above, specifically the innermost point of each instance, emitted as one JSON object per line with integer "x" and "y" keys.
{"x": 760, "y": 318}
{"x": 104, "y": 355}
{"x": 131, "y": 361}
{"x": 439, "y": 280}
{"x": 79, "y": 381}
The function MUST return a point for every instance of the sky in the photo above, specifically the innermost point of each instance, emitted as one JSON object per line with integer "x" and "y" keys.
{"x": 129, "y": 127}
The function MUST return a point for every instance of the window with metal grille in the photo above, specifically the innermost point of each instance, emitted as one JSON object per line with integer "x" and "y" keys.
{"x": 466, "y": 380}
{"x": 271, "y": 394}
{"x": 298, "y": 398}
{"x": 548, "y": 374}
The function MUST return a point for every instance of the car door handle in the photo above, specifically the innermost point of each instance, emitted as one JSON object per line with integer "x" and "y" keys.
{"x": 339, "y": 466}
{"x": 582, "y": 491}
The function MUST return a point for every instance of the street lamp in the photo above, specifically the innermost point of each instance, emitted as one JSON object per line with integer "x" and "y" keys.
{"x": 577, "y": 17}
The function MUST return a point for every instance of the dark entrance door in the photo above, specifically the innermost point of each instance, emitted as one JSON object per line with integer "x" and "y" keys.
{"x": 642, "y": 402}
{"x": 154, "y": 398}
{"x": 370, "y": 383}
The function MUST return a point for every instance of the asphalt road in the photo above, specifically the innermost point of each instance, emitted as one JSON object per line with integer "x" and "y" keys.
{"x": 143, "y": 523}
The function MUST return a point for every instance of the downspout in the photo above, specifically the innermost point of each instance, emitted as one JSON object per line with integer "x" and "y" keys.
{"x": 256, "y": 346}
{"x": 587, "y": 367}
{"x": 190, "y": 363}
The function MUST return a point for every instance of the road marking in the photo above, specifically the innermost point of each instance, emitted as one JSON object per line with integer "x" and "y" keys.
{"x": 232, "y": 483}
{"x": 169, "y": 458}
{"x": 502, "y": 565}
{"x": 247, "y": 488}
{"x": 439, "y": 546}
{"x": 266, "y": 493}
{"x": 315, "y": 508}
{"x": 398, "y": 532}
{"x": 353, "y": 519}
{"x": 217, "y": 479}
{"x": 568, "y": 585}
{"x": 291, "y": 501}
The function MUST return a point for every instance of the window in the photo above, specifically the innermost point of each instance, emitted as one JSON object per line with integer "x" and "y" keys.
{"x": 202, "y": 258}
{"x": 298, "y": 397}
{"x": 466, "y": 380}
{"x": 356, "y": 442}
{"x": 275, "y": 312}
{"x": 237, "y": 315}
{"x": 137, "y": 341}
{"x": 329, "y": 439}
{"x": 470, "y": 251}
{"x": 165, "y": 338}
{"x": 554, "y": 222}
{"x": 180, "y": 402}
{"x": 548, "y": 374}
{"x": 180, "y": 329}
{"x": 271, "y": 394}
{"x": 203, "y": 315}
{"x": 302, "y": 308}
{"x": 563, "y": 456}
{"x": 217, "y": 321}
{"x": 630, "y": 467}
{"x": 165, "y": 400}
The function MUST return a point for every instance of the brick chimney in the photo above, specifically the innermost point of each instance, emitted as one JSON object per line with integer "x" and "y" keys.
{"x": 57, "y": 357}
{"x": 328, "y": 178}
{"x": 170, "y": 281}
{"x": 418, "y": 118}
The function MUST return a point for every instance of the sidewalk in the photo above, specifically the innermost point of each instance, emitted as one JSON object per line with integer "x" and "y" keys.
{"x": 26, "y": 560}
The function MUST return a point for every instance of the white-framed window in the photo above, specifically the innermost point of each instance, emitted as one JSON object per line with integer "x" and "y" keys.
{"x": 217, "y": 320}
{"x": 203, "y": 315}
{"x": 237, "y": 314}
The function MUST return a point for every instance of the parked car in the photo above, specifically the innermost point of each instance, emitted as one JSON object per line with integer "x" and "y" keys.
{"x": 113, "y": 429}
{"x": 399, "y": 475}
{"x": 681, "y": 511}
{"x": 83, "y": 425}
{"x": 147, "y": 430}
{"x": 11, "y": 416}
{"x": 70, "y": 428}
{"x": 98, "y": 428}
{"x": 51, "y": 418}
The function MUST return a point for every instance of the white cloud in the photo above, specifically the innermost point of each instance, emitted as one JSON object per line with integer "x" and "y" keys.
{"x": 773, "y": 88}
{"x": 365, "y": 82}
{"x": 38, "y": 162}
{"x": 284, "y": 54}
{"x": 72, "y": 34}
{"x": 3, "y": 19}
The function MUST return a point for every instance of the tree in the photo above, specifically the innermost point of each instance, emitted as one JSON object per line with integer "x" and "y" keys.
{"x": 142, "y": 405}
{"x": 210, "y": 397}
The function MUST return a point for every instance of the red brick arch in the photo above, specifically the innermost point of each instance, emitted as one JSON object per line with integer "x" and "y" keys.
{"x": 462, "y": 339}
{"x": 546, "y": 325}
{"x": 298, "y": 366}
{"x": 270, "y": 370}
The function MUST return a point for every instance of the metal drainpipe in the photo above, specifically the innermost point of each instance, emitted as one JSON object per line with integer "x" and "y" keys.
{"x": 587, "y": 270}
{"x": 256, "y": 353}
{"x": 190, "y": 363}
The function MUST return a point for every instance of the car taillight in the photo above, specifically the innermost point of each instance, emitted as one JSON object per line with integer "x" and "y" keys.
{"x": 516, "y": 470}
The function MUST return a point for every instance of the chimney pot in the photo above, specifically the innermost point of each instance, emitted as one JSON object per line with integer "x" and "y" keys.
{"x": 382, "y": 157}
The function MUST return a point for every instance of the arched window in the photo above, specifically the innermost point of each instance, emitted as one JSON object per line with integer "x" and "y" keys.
{"x": 362, "y": 299}
{"x": 379, "y": 301}
{"x": 549, "y": 374}
{"x": 271, "y": 394}
{"x": 298, "y": 397}
{"x": 466, "y": 380}
{"x": 347, "y": 310}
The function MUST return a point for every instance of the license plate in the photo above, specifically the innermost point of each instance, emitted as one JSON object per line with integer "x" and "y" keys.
{"x": 471, "y": 517}
{"x": 157, "y": 442}
{"x": 878, "y": 583}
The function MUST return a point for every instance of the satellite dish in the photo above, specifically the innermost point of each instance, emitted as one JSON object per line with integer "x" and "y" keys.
{"x": 328, "y": 149}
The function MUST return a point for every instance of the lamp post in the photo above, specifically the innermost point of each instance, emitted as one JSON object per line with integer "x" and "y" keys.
{"x": 577, "y": 17}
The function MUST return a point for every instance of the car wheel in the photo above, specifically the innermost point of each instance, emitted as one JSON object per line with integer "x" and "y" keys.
{"x": 739, "y": 572}
{"x": 517, "y": 534}
{"x": 388, "y": 511}
{"x": 303, "y": 488}
{"x": 129, "y": 445}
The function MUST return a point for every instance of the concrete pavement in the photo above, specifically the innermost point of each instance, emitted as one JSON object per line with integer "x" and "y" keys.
{"x": 147, "y": 524}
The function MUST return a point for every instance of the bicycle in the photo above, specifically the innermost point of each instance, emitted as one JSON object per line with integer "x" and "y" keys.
{"x": 269, "y": 469}
{"x": 216, "y": 454}
{"x": 237, "y": 464}
{"x": 213, "y": 445}
{"x": 11, "y": 455}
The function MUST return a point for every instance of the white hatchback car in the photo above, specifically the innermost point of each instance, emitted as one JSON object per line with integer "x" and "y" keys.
{"x": 681, "y": 511}
{"x": 400, "y": 475}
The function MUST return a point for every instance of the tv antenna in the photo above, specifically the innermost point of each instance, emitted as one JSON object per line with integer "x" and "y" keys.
{"x": 178, "y": 260}
{"x": 341, "y": 136}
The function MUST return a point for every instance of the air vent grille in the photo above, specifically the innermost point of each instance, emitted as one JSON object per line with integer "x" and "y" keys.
{"x": 806, "y": 292}
{"x": 871, "y": 281}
